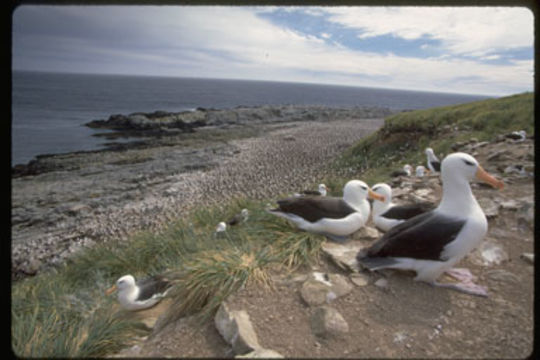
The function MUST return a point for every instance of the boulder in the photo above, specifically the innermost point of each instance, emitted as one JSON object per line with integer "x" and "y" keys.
{"x": 237, "y": 330}
{"x": 344, "y": 255}
{"x": 315, "y": 291}
{"x": 328, "y": 322}
{"x": 489, "y": 253}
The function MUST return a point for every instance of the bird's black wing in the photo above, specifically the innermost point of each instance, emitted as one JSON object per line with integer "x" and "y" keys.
{"x": 421, "y": 237}
{"x": 404, "y": 212}
{"x": 311, "y": 192}
{"x": 315, "y": 208}
{"x": 150, "y": 286}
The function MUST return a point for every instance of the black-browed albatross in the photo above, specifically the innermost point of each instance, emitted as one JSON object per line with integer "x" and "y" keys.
{"x": 321, "y": 191}
{"x": 333, "y": 217}
{"x": 142, "y": 294}
{"x": 433, "y": 242}
{"x": 242, "y": 216}
{"x": 406, "y": 171}
{"x": 386, "y": 214}
{"x": 433, "y": 163}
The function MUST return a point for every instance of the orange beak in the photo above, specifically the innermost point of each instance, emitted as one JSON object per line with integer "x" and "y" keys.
{"x": 482, "y": 175}
{"x": 110, "y": 290}
{"x": 375, "y": 196}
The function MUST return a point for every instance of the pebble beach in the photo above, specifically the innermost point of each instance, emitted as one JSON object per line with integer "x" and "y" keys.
{"x": 91, "y": 197}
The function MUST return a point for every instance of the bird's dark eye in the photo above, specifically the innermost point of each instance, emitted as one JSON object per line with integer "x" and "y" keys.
{"x": 363, "y": 187}
{"x": 375, "y": 188}
{"x": 468, "y": 162}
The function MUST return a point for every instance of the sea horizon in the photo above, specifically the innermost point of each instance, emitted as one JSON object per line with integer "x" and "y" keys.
{"x": 255, "y": 80}
{"x": 49, "y": 109}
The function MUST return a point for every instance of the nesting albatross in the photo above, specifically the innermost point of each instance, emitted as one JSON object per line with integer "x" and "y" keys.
{"x": 242, "y": 216}
{"x": 406, "y": 171}
{"x": 433, "y": 242}
{"x": 321, "y": 191}
{"x": 333, "y": 217}
{"x": 386, "y": 214}
{"x": 142, "y": 294}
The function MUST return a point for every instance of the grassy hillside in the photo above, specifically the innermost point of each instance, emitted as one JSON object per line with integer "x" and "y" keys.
{"x": 404, "y": 136}
{"x": 64, "y": 313}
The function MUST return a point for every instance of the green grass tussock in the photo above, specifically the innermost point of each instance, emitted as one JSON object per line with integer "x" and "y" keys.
{"x": 64, "y": 313}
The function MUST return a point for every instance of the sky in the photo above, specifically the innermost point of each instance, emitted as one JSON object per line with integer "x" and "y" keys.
{"x": 467, "y": 50}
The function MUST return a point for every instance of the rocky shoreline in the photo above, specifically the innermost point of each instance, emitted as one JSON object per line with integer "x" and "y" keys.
{"x": 64, "y": 202}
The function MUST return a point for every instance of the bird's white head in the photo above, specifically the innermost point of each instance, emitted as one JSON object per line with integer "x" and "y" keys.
{"x": 356, "y": 191}
{"x": 462, "y": 165}
{"x": 323, "y": 189}
{"x": 124, "y": 283}
{"x": 244, "y": 213}
{"x": 384, "y": 191}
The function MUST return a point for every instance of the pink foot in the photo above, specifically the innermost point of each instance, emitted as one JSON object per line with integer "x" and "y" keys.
{"x": 461, "y": 274}
{"x": 465, "y": 287}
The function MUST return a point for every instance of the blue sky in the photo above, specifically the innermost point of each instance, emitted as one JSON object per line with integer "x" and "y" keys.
{"x": 486, "y": 50}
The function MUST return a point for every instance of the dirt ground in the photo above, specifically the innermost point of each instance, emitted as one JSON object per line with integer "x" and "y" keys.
{"x": 405, "y": 319}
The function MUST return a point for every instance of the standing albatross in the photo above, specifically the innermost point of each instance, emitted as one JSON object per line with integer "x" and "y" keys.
{"x": 433, "y": 242}
{"x": 333, "y": 217}
{"x": 142, "y": 294}
{"x": 386, "y": 214}
{"x": 433, "y": 163}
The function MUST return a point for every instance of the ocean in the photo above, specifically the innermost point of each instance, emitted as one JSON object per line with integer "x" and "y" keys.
{"x": 49, "y": 110}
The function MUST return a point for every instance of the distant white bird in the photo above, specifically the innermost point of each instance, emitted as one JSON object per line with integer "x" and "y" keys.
{"x": 421, "y": 171}
{"x": 142, "y": 294}
{"x": 518, "y": 136}
{"x": 238, "y": 218}
{"x": 433, "y": 163}
{"x": 221, "y": 227}
{"x": 432, "y": 243}
{"x": 406, "y": 171}
{"x": 322, "y": 191}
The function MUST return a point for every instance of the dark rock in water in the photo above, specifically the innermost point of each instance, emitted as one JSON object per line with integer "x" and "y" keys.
{"x": 155, "y": 122}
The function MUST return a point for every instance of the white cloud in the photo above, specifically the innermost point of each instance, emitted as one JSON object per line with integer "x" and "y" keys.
{"x": 462, "y": 30}
{"x": 233, "y": 42}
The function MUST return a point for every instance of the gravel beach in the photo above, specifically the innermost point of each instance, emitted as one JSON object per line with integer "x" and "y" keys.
{"x": 91, "y": 197}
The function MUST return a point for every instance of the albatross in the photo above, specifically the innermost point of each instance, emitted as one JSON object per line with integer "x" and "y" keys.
{"x": 333, "y": 217}
{"x": 321, "y": 191}
{"x": 242, "y": 216}
{"x": 386, "y": 214}
{"x": 142, "y": 294}
{"x": 517, "y": 135}
{"x": 432, "y": 243}
{"x": 433, "y": 163}
{"x": 406, "y": 171}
